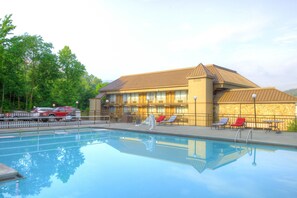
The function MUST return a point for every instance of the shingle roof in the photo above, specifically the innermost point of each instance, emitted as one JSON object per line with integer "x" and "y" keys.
{"x": 177, "y": 78}
{"x": 264, "y": 95}
{"x": 200, "y": 71}
{"x": 150, "y": 80}
{"x": 224, "y": 75}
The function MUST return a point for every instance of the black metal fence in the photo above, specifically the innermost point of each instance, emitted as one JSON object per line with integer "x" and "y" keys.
{"x": 187, "y": 119}
{"x": 260, "y": 122}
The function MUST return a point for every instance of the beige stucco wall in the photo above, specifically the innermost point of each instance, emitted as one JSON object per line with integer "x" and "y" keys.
{"x": 203, "y": 89}
{"x": 95, "y": 107}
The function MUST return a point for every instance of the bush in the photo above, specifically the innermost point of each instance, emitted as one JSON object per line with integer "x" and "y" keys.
{"x": 292, "y": 126}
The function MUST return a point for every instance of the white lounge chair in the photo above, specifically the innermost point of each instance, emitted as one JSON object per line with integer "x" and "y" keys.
{"x": 170, "y": 120}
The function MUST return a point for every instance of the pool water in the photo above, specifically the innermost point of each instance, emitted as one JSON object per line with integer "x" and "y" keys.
{"x": 109, "y": 163}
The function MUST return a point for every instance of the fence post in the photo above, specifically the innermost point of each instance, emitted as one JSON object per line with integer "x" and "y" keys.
{"x": 295, "y": 122}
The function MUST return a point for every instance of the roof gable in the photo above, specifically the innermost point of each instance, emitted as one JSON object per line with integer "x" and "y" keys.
{"x": 200, "y": 71}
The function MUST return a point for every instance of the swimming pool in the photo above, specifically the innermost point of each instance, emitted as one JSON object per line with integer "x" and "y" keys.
{"x": 112, "y": 163}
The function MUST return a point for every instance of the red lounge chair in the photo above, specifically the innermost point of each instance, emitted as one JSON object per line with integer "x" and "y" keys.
{"x": 238, "y": 123}
{"x": 160, "y": 119}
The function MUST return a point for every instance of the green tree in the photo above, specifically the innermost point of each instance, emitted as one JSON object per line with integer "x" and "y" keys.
{"x": 6, "y": 28}
{"x": 67, "y": 88}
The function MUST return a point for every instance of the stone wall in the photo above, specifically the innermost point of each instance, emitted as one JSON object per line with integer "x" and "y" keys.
{"x": 261, "y": 109}
{"x": 285, "y": 112}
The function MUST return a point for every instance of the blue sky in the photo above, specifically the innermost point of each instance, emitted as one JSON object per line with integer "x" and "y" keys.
{"x": 112, "y": 38}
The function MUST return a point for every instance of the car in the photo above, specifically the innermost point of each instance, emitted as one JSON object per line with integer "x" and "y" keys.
{"x": 58, "y": 113}
{"x": 36, "y": 112}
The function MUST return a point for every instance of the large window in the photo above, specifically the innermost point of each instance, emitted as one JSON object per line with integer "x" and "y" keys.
{"x": 180, "y": 96}
{"x": 161, "y": 96}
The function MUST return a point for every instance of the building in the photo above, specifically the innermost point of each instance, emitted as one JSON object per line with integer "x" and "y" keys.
{"x": 198, "y": 95}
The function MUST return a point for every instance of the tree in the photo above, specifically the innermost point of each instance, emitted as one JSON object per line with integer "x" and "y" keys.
{"x": 67, "y": 88}
{"x": 32, "y": 75}
{"x": 6, "y": 28}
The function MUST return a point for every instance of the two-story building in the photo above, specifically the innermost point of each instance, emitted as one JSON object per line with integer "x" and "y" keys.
{"x": 194, "y": 93}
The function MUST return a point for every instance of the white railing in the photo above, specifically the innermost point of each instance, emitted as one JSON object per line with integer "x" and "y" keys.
{"x": 39, "y": 122}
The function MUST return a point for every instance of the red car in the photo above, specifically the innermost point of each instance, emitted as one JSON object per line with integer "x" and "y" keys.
{"x": 58, "y": 113}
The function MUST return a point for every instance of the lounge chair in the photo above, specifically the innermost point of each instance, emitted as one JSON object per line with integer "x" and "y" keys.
{"x": 170, "y": 120}
{"x": 222, "y": 123}
{"x": 160, "y": 119}
{"x": 238, "y": 123}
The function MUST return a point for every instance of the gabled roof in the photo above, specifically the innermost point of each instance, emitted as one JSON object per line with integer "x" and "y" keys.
{"x": 177, "y": 78}
{"x": 200, "y": 71}
{"x": 264, "y": 95}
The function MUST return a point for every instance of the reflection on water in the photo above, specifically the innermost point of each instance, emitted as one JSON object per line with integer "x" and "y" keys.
{"x": 40, "y": 158}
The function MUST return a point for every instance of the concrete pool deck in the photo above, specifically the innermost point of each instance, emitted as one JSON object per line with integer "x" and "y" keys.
{"x": 258, "y": 136}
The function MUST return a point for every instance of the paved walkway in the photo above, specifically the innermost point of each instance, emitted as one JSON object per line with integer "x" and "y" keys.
{"x": 258, "y": 136}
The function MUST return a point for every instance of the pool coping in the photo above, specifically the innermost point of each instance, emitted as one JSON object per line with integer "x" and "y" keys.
{"x": 271, "y": 138}
{"x": 283, "y": 139}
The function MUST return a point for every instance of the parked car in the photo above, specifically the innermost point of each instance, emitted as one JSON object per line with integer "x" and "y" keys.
{"x": 36, "y": 112}
{"x": 58, "y": 113}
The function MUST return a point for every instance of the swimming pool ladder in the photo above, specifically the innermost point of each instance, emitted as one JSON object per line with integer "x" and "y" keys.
{"x": 238, "y": 134}
{"x": 249, "y": 134}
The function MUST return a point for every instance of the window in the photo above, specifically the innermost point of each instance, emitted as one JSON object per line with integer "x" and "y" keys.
{"x": 150, "y": 96}
{"x": 134, "y": 97}
{"x": 180, "y": 96}
{"x": 134, "y": 109}
{"x": 151, "y": 110}
{"x": 112, "y": 109}
{"x": 181, "y": 110}
{"x": 126, "y": 109}
{"x": 126, "y": 98}
{"x": 112, "y": 98}
{"x": 161, "y": 110}
{"x": 161, "y": 96}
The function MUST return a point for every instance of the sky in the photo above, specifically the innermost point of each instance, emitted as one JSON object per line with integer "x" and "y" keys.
{"x": 112, "y": 38}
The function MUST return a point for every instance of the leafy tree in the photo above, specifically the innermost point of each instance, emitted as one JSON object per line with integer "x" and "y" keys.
{"x": 67, "y": 88}
{"x": 6, "y": 28}
{"x": 31, "y": 74}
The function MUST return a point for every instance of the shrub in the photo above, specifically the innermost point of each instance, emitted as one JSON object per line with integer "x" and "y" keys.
{"x": 292, "y": 126}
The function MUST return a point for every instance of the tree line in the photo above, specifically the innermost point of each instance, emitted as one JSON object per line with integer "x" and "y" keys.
{"x": 31, "y": 74}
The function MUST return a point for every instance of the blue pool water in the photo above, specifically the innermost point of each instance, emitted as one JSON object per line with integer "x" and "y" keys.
{"x": 108, "y": 163}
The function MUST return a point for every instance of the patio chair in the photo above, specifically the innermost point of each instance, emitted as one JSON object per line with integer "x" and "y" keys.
{"x": 238, "y": 123}
{"x": 170, "y": 120}
{"x": 222, "y": 123}
{"x": 160, "y": 119}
